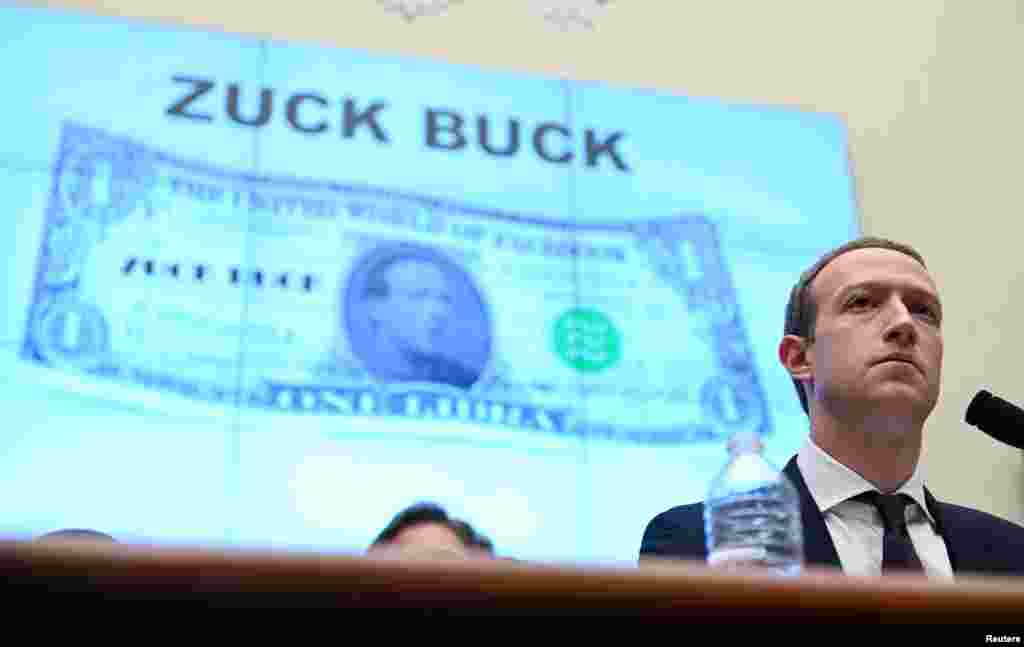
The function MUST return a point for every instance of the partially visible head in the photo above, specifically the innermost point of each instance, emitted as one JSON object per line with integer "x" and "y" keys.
{"x": 76, "y": 534}
{"x": 426, "y": 528}
{"x": 410, "y": 302}
{"x": 872, "y": 297}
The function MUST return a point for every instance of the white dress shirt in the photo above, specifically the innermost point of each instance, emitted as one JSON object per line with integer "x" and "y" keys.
{"x": 856, "y": 528}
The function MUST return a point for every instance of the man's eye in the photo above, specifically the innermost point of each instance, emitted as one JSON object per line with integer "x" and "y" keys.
{"x": 858, "y": 302}
{"x": 927, "y": 311}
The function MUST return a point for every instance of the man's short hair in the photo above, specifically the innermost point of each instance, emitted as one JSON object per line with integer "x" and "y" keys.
{"x": 427, "y": 512}
{"x": 470, "y": 537}
{"x": 801, "y": 310}
{"x": 377, "y": 285}
{"x": 84, "y": 534}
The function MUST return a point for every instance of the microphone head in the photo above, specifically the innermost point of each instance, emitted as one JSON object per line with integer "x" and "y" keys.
{"x": 998, "y": 418}
{"x": 976, "y": 410}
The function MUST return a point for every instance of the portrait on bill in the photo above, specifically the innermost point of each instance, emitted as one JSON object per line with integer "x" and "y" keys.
{"x": 412, "y": 314}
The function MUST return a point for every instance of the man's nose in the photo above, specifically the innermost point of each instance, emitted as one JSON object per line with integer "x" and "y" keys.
{"x": 900, "y": 327}
{"x": 438, "y": 308}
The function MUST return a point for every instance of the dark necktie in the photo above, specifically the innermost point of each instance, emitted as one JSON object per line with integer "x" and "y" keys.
{"x": 898, "y": 552}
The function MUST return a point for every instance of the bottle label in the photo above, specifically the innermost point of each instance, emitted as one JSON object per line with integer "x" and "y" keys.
{"x": 739, "y": 556}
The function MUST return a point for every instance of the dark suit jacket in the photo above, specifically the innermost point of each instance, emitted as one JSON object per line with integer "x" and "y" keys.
{"x": 977, "y": 542}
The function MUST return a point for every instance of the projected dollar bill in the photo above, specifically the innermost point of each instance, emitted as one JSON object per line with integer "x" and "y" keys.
{"x": 318, "y": 298}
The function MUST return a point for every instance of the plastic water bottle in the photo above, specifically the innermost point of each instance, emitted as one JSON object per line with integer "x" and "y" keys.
{"x": 752, "y": 512}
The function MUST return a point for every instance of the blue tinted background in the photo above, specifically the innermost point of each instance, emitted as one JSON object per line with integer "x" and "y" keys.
{"x": 80, "y": 451}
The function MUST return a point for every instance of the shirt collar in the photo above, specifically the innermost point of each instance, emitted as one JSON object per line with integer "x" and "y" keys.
{"x": 831, "y": 483}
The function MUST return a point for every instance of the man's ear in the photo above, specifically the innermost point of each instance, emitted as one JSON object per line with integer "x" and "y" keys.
{"x": 374, "y": 310}
{"x": 795, "y": 357}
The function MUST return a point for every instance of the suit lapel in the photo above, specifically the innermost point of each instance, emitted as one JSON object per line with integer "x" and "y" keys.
{"x": 818, "y": 546}
{"x": 941, "y": 527}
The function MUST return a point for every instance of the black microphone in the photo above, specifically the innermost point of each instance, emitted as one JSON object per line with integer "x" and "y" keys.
{"x": 997, "y": 418}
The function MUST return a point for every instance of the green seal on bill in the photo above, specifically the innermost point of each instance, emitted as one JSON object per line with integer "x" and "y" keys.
{"x": 587, "y": 340}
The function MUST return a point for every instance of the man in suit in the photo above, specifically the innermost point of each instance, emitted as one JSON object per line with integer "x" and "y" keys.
{"x": 863, "y": 344}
